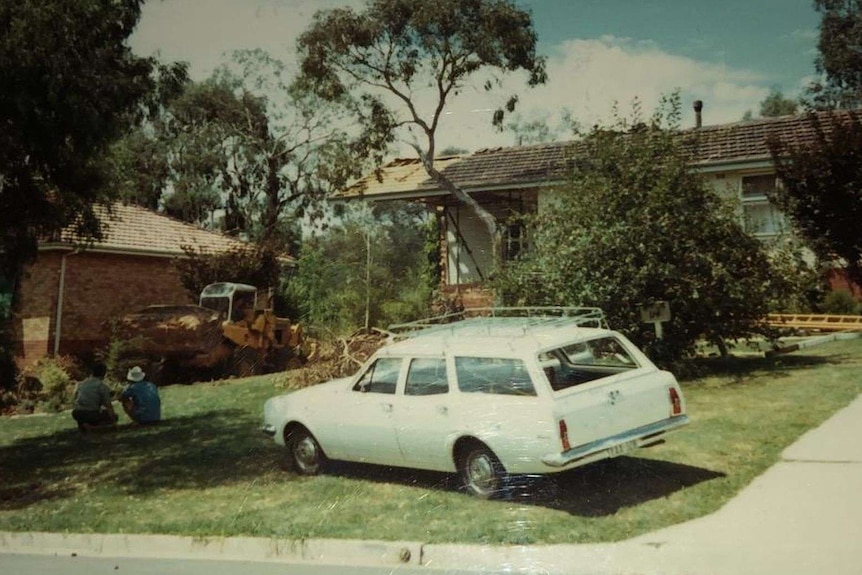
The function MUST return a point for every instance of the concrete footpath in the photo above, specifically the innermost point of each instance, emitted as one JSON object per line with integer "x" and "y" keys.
{"x": 804, "y": 515}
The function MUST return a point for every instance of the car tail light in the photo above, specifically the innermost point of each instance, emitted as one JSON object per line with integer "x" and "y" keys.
{"x": 564, "y": 435}
{"x": 675, "y": 401}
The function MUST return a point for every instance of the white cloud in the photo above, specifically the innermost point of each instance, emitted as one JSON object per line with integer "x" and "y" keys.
{"x": 588, "y": 76}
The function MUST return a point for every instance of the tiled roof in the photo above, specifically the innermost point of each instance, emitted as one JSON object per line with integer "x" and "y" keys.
{"x": 129, "y": 228}
{"x": 398, "y": 175}
{"x": 530, "y": 166}
{"x": 512, "y": 167}
{"x": 746, "y": 141}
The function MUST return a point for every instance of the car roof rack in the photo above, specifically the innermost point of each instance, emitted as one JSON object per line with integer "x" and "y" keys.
{"x": 532, "y": 316}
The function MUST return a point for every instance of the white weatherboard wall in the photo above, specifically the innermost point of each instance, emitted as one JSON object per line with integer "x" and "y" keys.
{"x": 469, "y": 247}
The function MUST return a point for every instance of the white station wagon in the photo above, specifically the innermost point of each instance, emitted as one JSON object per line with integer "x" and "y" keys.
{"x": 485, "y": 397}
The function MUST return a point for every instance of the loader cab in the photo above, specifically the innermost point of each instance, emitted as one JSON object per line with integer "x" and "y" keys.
{"x": 235, "y": 302}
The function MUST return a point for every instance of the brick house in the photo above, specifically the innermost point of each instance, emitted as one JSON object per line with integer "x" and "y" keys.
{"x": 69, "y": 295}
{"x": 733, "y": 158}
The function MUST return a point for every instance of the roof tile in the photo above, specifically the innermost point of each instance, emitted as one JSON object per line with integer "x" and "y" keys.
{"x": 133, "y": 228}
{"x": 535, "y": 165}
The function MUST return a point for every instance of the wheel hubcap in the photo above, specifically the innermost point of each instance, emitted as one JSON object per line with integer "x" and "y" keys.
{"x": 305, "y": 453}
{"x": 481, "y": 474}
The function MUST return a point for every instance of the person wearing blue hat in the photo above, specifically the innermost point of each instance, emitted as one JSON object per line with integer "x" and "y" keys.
{"x": 140, "y": 399}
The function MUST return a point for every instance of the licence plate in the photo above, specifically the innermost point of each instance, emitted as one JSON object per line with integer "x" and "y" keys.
{"x": 621, "y": 448}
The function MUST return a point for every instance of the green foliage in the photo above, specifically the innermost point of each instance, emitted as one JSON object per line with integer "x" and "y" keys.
{"x": 244, "y": 143}
{"x": 70, "y": 84}
{"x": 118, "y": 355}
{"x": 50, "y": 383}
{"x": 56, "y": 385}
{"x": 840, "y": 59}
{"x": 822, "y": 188}
{"x": 538, "y": 130}
{"x": 7, "y": 342}
{"x": 254, "y": 265}
{"x": 8, "y": 370}
{"x": 841, "y": 303}
{"x": 633, "y": 226}
{"x": 338, "y": 282}
{"x": 775, "y": 104}
{"x": 399, "y": 44}
{"x": 802, "y": 284}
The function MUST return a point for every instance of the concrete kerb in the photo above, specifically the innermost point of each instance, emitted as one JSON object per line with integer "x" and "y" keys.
{"x": 327, "y": 551}
{"x": 590, "y": 558}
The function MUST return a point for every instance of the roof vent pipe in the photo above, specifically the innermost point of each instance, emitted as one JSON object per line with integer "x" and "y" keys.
{"x": 698, "y": 108}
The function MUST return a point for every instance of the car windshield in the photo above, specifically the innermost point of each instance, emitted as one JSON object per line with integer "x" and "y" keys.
{"x": 586, "y": 361}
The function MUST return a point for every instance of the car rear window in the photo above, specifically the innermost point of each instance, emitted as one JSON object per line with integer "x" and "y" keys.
{"x": 586, "y": 361}
{"x": 500, "y": 376}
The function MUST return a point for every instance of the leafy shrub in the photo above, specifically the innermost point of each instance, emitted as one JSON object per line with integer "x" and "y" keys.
{"x": 798, "y": 283}
{"x": 51, "y": 382}
{"x": 118, "y": 356}
{"x": 634, "y": 225}
{"x": 841, "y": 303}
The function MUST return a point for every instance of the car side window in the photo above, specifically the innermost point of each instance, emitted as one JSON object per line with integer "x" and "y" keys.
{"x": 499, "y": 376}
{"x": 380, "y": 377}
{"x": 427, "y": 376}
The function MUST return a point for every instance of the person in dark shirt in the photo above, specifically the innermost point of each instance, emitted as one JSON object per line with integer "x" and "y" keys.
{"x": 92, "y": 408}
{"x": 140, "y": 399}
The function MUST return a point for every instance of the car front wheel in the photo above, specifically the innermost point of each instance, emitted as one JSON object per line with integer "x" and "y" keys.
{"x": 306, "y": 456}
{"x": 481, "y": 472}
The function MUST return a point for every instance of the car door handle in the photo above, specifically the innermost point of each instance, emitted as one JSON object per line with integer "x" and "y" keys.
{"x": 387, "y": 407}
{"x": 442, "y": 410}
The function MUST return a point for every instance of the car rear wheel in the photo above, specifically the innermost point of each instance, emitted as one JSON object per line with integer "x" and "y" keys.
{"x": 481, "y": 472}
{"x": 306, "y": 456}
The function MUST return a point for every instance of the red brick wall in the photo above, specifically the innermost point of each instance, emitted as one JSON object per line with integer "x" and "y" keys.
{"x": 471, "y": 296}
{"x": 838, "y": 282}
{"x": 98, "y": 288}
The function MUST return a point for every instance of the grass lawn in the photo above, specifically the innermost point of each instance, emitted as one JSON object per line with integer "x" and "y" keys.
{"x": 208, "y": 471}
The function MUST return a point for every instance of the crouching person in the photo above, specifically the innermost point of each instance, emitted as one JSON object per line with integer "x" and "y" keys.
{"x": 92, "y": 408}
{"x": 140, "y": 399}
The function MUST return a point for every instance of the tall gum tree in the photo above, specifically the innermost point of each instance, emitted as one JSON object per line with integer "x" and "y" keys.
{"x": 248, "y": 142}
{"x": 839, "y": 58}
{"x": 69, "y": 85}
{"x": 394, "y": 50}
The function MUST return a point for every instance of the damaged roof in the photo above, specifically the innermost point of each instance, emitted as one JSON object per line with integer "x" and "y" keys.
{"x": 519, "y": 167}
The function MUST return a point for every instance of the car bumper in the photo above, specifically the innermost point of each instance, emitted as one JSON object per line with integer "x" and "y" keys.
{"x": 268, "y": 429}
{"x": 615, "y": 445}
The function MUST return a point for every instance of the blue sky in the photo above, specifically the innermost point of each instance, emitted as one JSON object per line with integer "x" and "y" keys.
{"x": 776, "y": 38}
{"x": 728, "y": 53}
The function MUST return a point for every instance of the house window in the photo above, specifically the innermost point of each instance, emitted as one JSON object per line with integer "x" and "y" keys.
{"x": 760, "y": 216}
{"x": 514, "y": 240}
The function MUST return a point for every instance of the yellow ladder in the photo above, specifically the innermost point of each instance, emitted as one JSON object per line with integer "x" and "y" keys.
{"x": 822, "y": 322}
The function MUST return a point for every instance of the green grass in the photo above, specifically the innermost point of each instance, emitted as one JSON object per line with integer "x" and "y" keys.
{"x": 207, "y": 470}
